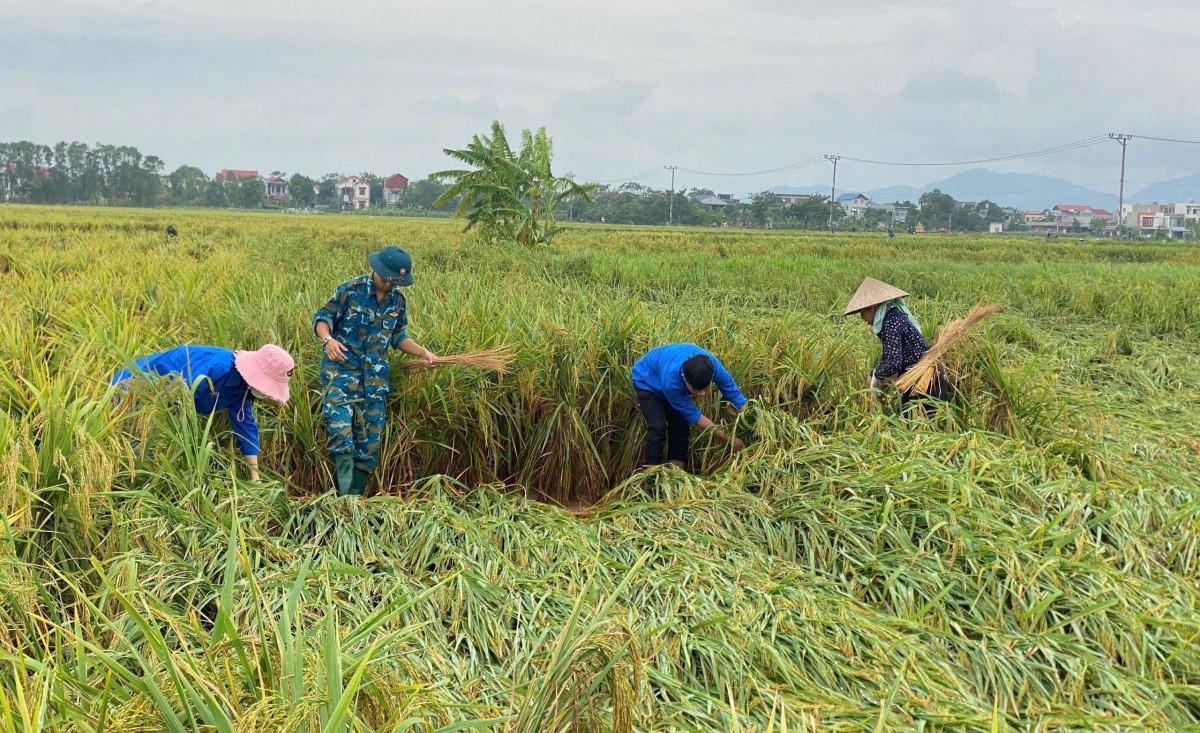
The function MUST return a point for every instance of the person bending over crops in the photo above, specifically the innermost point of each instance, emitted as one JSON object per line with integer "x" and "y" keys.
{"x": 365, "y": 317}
{"x": 666, "y": 380}
{"x": 221, "y": 379}
{"x": 882, "y": 306}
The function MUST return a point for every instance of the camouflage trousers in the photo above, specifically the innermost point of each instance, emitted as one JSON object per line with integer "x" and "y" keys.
{"x": 355, "y": 409}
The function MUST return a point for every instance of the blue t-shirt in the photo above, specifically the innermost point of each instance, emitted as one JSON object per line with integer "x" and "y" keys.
{"x": 215, "y": 384}
{"x": 660, "y": 372}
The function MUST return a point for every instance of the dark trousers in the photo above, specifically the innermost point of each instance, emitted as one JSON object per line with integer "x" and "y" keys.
{"x": 938, "y": 390}
{"x": 663, "y": 425}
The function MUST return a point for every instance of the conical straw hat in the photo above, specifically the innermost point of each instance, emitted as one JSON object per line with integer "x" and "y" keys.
{"x": 872, "y": 292}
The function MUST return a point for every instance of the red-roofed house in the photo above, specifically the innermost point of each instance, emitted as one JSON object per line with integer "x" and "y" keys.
{"x": 1078, "y": 214}
{"x": 277, "y": 188}
{"x": 227, "y": 173}
{"x": 394, "y": 187}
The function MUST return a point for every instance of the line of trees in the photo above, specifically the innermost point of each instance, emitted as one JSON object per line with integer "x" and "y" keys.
{"x": 75, "y": 173}
{"x": 121, "y": 175}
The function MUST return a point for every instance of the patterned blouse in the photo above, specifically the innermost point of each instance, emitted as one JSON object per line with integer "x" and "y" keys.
{"x": 903, "y": 345}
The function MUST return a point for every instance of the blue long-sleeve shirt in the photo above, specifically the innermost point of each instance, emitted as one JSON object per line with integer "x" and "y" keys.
{"x": 660, "y": 372}
{"x": 215, "y": 384}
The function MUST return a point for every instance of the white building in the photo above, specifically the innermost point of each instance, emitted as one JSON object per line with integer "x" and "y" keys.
{"x": 855, "y": 204}
{"x": 354, "y": 192}
{"x": 897, "y": 211}
{"x": 1170, "y": 219}
{"x": 788, "y": 199}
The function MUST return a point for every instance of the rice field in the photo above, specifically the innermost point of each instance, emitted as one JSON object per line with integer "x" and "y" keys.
{"x": 1027, "y": 560}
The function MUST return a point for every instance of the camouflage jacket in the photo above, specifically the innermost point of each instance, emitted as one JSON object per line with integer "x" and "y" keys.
{"x": 366, "y": 327}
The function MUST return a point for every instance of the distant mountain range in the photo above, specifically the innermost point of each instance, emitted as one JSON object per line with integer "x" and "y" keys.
{"x": 1021, "y": 190}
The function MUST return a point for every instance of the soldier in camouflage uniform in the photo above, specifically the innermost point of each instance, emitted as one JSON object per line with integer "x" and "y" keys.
{"x": 365, "y": 317}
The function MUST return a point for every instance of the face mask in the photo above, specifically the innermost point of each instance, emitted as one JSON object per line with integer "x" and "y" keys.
{"x": 258, "y": 395}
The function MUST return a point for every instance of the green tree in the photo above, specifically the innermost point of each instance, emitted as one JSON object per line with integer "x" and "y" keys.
{"x": 876, "y": 219}
{"x": 423, "y": 194}
{"x": 327, "y": 195}
{"x": 813, "y": 213}
{"x": 216, "y": 194}
{"x": 187, "y": 185}
{"x": 990, "y": 211}
{"x": 250, "y": 191}
{"x": 300, "y": 190}
{"x": 937, "y": 209}
{"x": 509, "y": 195}
{"x": 762, "y": 205}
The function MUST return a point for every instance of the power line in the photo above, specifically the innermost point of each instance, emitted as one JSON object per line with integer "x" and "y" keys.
{"x": 627, "y": 179}
{"x": 1169, "y": 185}
{"x": 781, "y": 169}
{"x": 1053, "y": 150}
{"x": 1076, "y": 145}
{"x": 1040, "y": 190}
{"x": 1166, "y": 139}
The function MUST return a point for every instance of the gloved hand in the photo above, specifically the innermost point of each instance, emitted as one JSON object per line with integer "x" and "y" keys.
{"x": 874, "y": 383}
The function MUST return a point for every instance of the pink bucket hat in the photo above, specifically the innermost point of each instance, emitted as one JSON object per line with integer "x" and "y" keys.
{"x": 266, "y": 370}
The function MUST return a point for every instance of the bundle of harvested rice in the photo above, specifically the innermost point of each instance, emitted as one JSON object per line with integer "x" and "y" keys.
{"x": 496, "y": 359}
{"x": 919, "y": 377}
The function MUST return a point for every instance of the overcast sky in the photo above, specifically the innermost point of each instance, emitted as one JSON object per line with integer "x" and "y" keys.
{"x": 622, "y": 86}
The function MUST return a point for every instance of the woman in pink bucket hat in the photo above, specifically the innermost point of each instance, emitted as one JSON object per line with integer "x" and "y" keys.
{"x": 221, "y": 379}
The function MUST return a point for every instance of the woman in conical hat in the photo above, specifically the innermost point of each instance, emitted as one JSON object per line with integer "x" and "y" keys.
{"x": 882, "y": 306}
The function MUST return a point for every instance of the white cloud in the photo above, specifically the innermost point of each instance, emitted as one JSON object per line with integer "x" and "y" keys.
{"x": 623, "y": 86}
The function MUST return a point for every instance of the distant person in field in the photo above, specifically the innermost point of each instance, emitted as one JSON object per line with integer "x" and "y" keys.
{"x": 366, "y": 316}
{"x": 221, "y": 379}
{"x": 882, "y": 307}
{"x": 666, "y": 380}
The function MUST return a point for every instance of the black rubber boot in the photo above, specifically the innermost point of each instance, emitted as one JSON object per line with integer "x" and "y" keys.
{"x": 343, "y": 473}
{"x": 359, "y": 483}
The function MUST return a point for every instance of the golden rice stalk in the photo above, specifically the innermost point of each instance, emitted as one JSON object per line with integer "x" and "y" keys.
{"x": 919, "y": 376}
{"x": 496, "y": 359}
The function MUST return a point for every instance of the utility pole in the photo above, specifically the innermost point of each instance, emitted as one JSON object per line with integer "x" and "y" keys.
{"x": 833, "y": 187}
{"x": 1122, "y": 138}
{"x": 671, "y": 205}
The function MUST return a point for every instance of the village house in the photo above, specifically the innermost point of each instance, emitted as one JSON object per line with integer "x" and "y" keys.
{"x": 712, "y": 203}
{"x": 277, "y": 188}
{"x": 897, "y": 211}
{"x": 1050, "y": 227}
{"x": 11, "y": 181}
{"x": 1190, "y": 211}
{"x": 855, "y": 204}
{"x": 789, "y": 199}
{"x": 1169, "y": 219}
{"x": 227, "y": 174}
{"x": 394, "y": 188}
{"x": 354, "y": 192}
{"x": 1079, "y": 214}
